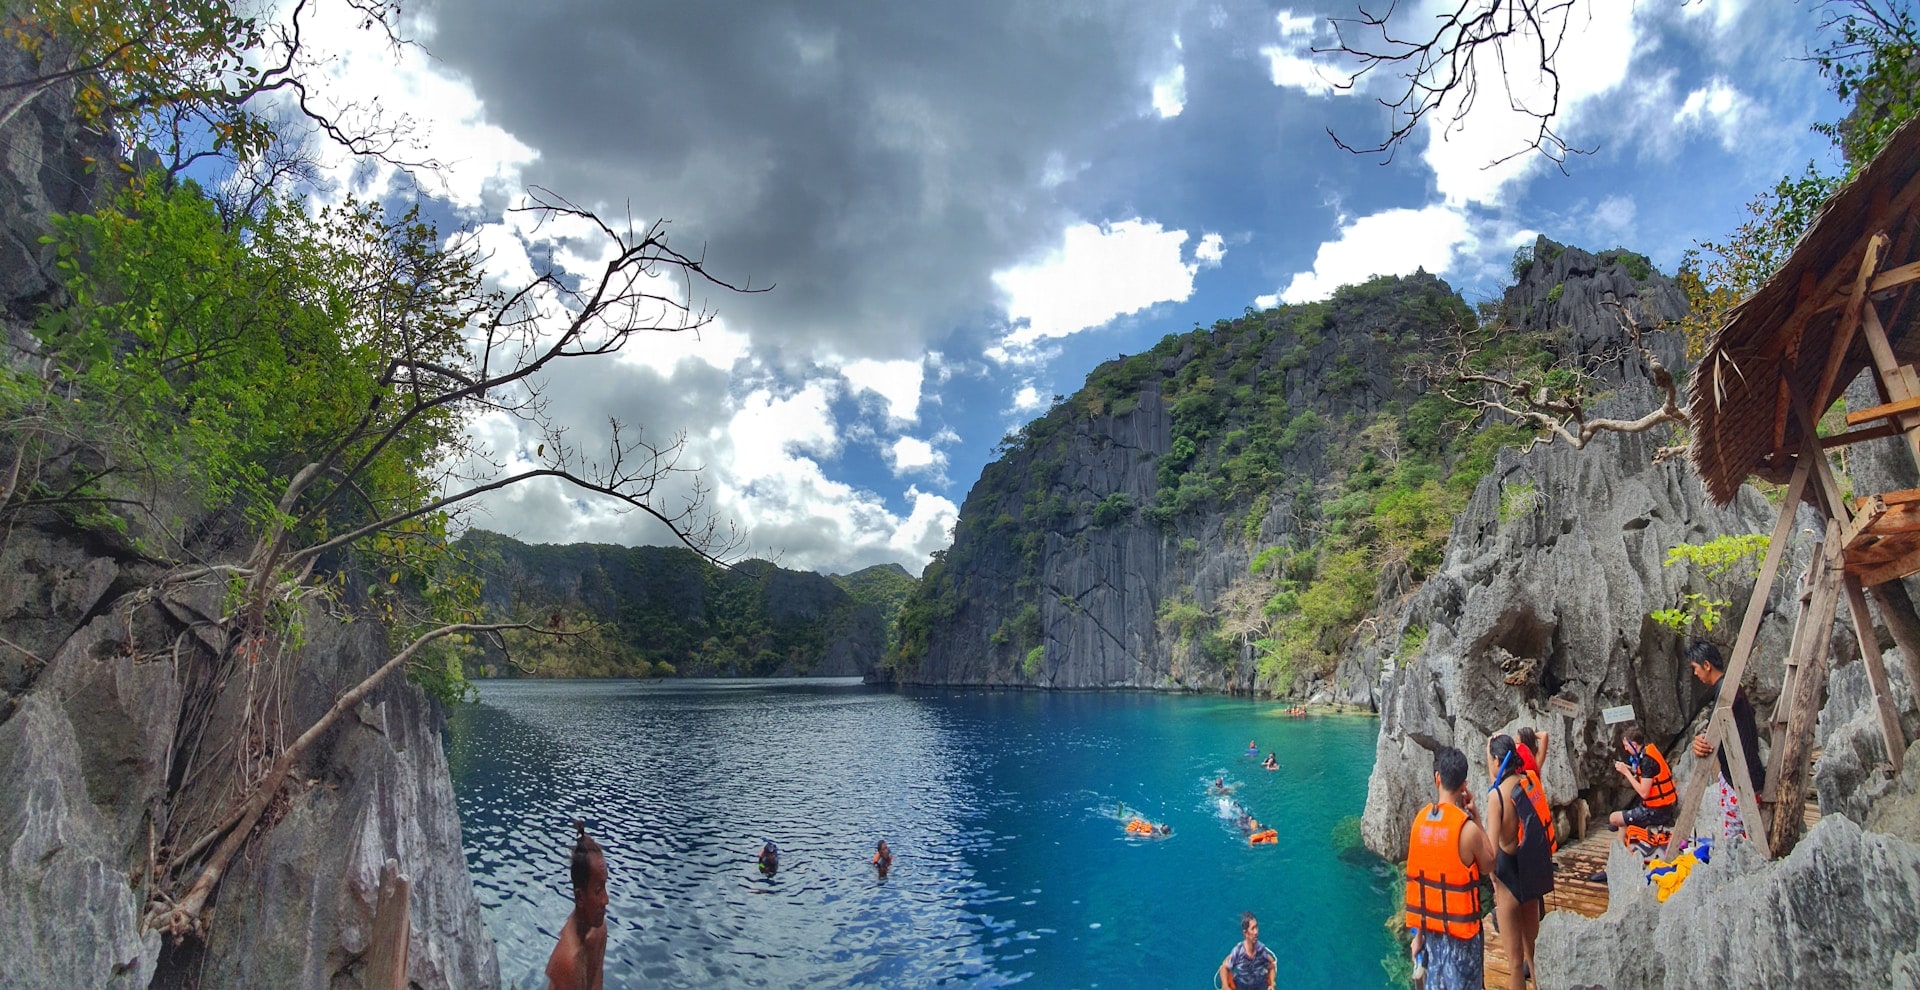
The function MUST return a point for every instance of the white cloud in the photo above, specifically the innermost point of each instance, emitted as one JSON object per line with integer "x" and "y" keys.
{"x": 1211, "y": 251}
{"x": 1716, "y": 107}
{"x": 1293, "y": 64}
{"x": 1614, "y": 216}
{"x": 1170, "y": 92}
{"x": 356, "y": 68}
{"x": 1098, "y": 274}
{"x": 1395, "y": 242}
{"x": 898, "y": 382}
{"x": 913, "y": 454}
{"x": 1476, "y": 158}
{"x": 1267, "y": 301}
{"x": 1028, "y": 399}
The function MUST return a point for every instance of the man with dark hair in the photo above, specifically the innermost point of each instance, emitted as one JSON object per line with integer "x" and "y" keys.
{"x": 1710, "y": 669}
{"x": 1652, "y": 779}
{"x": 1249, "y": 965}
{"x": 579, "y": 958}
{"x": 1447, "y": 854}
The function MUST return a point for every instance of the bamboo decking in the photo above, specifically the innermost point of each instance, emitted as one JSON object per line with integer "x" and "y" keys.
{"x": 1574, "y": 892}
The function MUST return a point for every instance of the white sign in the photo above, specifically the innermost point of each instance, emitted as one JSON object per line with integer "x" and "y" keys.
{"x": 1614, "y": 716}
{"x": 1565, "y": 706}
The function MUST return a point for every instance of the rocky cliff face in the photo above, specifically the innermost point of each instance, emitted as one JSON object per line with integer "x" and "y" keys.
{"x": 110, "y": 751}
{"x": 666, "y": 606}
{"x": 1246, "y": 508}
{"x": 91, "y": 752}
{"x": 1549, "y": 577}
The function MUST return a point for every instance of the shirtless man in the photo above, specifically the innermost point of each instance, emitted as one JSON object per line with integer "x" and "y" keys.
{"x": 577, "y": 960}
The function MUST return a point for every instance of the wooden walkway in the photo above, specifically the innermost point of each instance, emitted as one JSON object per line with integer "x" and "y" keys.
{"x": 1573, "y": 891}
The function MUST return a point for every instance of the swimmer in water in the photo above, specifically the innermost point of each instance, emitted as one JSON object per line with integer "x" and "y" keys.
{"x": 1272, "y": 763}
{"x": 882, "y": 858}
{"x": 769, "y": 858}
{"x": 1220, "y": 786}
{"x": 1252, "y": 750}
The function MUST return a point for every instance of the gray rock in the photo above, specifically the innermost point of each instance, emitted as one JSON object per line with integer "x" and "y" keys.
{"x": 1842, "y": 910}
{"x": 1566, "y": 576}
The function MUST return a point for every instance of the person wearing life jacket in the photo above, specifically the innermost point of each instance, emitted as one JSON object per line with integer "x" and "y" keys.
{"x": 1523, "y": 860}
{"x": 1447, "y": 854}
{"x": 1536, "y": 794}
{"x": 1533, "y": 748}
{"x": 1647, "y": 770}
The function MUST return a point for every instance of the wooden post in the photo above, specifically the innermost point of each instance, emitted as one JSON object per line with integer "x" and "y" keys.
{"x": 1794, "y": 745}
{"x": 1876, "y": 675}
{"x": 1722, "y": 719}
{"x": 387, "y": 945}
{"x": 1803, "y": 626}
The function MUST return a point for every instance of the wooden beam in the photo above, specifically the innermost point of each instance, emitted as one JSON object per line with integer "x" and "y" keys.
{"x": 1803, "y": 625}
{"x": 1892, "y": 278}
{"x": 1866, "y": 512}
{"x": 1803, "y": 698}
{"x": 1883, "y": 412}
{"x": 387, "y": 942}
{"x": 1849, "y": 321}
{"x": 1856, "y": 436}
{"x": 1890, "y": 733}
{"x": 1722, "y": 717}
{"x": 1892, "y": 570}
{"x": 1901, "y": 381}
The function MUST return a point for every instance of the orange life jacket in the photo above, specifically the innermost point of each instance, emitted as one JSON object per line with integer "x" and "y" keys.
{"x": 1443, "y": 892}
{"x": 1663, "y": 792}
{"x": 1537, "y": 793}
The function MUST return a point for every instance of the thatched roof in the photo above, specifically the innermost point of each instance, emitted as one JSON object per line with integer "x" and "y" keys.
{"x": 1779, "y": 338}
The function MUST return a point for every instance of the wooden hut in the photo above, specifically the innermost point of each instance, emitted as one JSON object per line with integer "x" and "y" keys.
{"x": 1838, "y": 306}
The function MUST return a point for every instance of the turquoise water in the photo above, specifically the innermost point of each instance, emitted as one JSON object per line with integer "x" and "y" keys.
{"x": 1011, "y": 862}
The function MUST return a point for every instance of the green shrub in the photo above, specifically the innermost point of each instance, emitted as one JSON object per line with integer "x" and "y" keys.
{"x": 1035, "y": 657}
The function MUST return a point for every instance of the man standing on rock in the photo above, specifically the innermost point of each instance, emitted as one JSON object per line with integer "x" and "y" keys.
{"x": 1710, "y": 668}
{"x": 578, "y": 959}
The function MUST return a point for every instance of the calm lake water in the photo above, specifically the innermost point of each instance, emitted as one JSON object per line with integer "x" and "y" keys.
{"x": 1011, "y": 862}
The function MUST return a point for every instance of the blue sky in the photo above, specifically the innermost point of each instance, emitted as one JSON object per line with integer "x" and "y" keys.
{"x": 965, "y": 207}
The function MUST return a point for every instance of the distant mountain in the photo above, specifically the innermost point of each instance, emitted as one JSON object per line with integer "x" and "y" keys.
{"x": 664, "y": 610}
{"x": 885, "y": 587}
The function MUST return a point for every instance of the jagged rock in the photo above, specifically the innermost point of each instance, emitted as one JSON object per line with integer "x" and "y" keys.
{"x": 1848, "y": 778}
{"x": 86, "y": 761}
{"x": 375, "y": 788}
{"x": 1568, "y": 582}
{"x": 1843, "y": 909}
{"x": 1896, "y": 811}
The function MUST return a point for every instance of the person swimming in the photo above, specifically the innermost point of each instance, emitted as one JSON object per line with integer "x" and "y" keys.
{"x": 882, "y": 858}
{"x": 769, "y": 858}
{"x": 1252, "y": 750}
{"x": 1272, "y": 762}
{"x": 1220, "y": 786}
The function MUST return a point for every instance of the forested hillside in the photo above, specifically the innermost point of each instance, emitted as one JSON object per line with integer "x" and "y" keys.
{"x": 657, "y": 611}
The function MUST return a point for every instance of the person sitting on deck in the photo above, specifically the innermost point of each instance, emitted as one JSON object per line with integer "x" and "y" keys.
{"x": 1447, "y": 854}
{"x": 1651, "y": 778}
{"x": 578, "y": 958}
{"x": 882, "y": 858}
{"x": 1249, "y": 965}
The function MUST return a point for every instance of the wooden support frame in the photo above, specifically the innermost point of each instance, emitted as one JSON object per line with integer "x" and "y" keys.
{"x": 1793, "y": 746}
{"x": 1803, "y": 627}
{"x": 1722, "y": 718}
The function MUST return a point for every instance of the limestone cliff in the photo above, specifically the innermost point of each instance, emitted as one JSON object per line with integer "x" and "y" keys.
{"x": 1245, "y": 508}
{"x": 113, "y": 751}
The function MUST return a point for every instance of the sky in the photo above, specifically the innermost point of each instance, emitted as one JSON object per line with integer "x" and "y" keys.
{"x": 963, "y": 208}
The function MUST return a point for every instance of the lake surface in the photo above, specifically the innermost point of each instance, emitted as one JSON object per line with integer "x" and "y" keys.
{"x": 1011, "y": 861}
